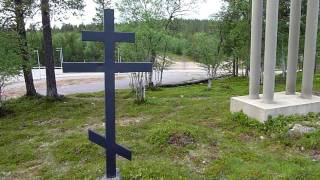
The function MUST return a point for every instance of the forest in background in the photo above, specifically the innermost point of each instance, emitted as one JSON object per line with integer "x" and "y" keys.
{"x": 221, "y": 42}
{"x": 68, "y": 37}
{"x": 228, "y": 31}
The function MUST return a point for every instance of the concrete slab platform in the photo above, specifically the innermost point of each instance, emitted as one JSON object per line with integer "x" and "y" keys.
{"x": 283, "y": 105}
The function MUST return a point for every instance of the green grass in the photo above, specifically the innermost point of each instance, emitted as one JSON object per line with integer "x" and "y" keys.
{"x": 179, "y": 133}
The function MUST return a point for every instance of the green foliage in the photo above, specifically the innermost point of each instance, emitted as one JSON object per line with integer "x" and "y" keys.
{"x": 9, "y": 57}
{"x": 245, "y": 121}
{"x": 70, "y": 149}
{"x": 101, "y": 6}
{"x": 9, "y": 63}
{"x": 278, "y": 128}
{"x": 160, "y": 135}
{"x": 206, "y": 50}
{"x": 51, "y": 141}
{"x": 159, "y": 170}
{"x": 309, "y": 141}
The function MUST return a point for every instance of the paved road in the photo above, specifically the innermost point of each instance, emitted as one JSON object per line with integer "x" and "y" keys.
{"x": 72, "y": 83}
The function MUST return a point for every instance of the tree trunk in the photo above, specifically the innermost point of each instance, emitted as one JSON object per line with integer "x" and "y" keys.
{"x": 23, "y": 46}
{"x": 247, "y": 71}
{"x": 283, "y": 62}
{"x": 234, "y": 67}
{"x": 2, "y": 80}
{"x": 237, "y": 67}
{"x": 48, "y": 49}
{"x": 283, "y": 68}
{"x": 153, "y": 60}
{"x": 316, "y": 64}
{"x": 163, "y": 62}
{"x": 209, "y": 83}
{"x": 261, "y": 73}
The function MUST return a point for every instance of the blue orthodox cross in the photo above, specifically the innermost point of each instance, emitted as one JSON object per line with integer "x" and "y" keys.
{"x": 109, "y": 67}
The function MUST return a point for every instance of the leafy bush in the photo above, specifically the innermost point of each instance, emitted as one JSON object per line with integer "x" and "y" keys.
{"x": 278, "y": 128}
{"x": 245, "y": 121}
{"x": 9, "y": 61}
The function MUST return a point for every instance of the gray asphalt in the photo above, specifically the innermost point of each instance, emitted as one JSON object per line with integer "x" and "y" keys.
{"x": 72, "y": 83}
{"x": 169, "y": 77}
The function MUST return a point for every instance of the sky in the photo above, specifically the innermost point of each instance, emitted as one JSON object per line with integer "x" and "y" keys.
{"x": 204, "y": 10}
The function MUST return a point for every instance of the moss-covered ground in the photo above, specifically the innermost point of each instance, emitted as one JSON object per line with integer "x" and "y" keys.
{"x": 179, "y": 133}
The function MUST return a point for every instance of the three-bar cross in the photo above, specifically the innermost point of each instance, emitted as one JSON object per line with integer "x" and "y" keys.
{"x": 109, "y": 37}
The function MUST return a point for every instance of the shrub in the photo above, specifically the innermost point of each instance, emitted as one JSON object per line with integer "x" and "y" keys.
{"x": 9, "y": 62}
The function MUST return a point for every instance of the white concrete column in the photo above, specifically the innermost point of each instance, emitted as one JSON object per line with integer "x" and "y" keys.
{"x": 270, "y": 50}
{"x": 293, "y": 46}
{"x": 255, "y": 54}
{"x": 310, "y": 48}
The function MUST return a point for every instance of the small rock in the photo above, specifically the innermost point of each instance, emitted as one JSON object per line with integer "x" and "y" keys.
{"x": 299, "y": 129}
{"x": 204, "y": 162}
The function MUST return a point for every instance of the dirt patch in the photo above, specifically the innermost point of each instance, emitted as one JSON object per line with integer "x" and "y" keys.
{"x": 180, "y": 140}
{"x": 125, "y": 121}
{"x": 48, "y": 122}
{"x": 315, "y": 154}
{"x": 210, "y": 124}
{"x": 28, "y": 173}
{"x": 95, "y": 126}
{"x": 200, "y": 98}
{"x": 200, "y": 157}
{"x": 244, "y": 137}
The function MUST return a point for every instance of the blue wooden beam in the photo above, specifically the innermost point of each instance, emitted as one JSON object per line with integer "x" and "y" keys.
{"x": 109, "y": 67}
{"x": 101, "y": 141}
{"x": 132, "y": 67}
{"x": 124, "y": 37}
{"x": 93, "y": 36}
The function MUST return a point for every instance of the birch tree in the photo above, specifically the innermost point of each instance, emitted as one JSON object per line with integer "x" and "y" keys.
{"x": 156, "y": 16}
{"x": 60, "y": 6}
{"x": 206, "y": 51}
{"x": 12, "y": 16}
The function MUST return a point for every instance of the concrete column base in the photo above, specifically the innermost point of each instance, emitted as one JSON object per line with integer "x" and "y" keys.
{"x": 115, "y": 178}
{"x": 283, "y": 105}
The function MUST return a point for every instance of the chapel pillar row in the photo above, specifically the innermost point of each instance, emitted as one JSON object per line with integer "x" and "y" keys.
{"x": 293, "y": 46}
{"x": 270, "y": 50}
{"x": 310, "y": 48}
{"x": 255, "y": 51}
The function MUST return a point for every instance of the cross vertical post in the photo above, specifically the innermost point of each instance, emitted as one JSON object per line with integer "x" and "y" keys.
{"x": 109, "y": 37}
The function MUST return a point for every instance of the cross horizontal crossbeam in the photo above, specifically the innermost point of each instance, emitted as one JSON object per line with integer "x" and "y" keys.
{"x": 102, "y": 37}
{"x": 100, "y": 67}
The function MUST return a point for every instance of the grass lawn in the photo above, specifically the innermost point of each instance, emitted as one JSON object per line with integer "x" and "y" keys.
{"x": 179, "y": 133}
